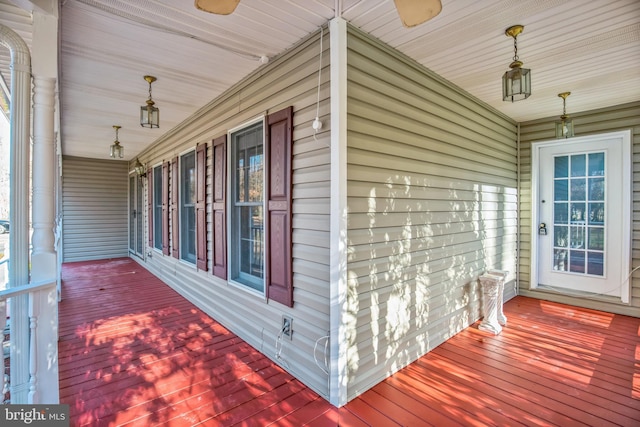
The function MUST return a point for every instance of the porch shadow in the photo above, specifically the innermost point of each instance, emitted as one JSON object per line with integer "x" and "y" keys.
{"x": 134, "y": 352}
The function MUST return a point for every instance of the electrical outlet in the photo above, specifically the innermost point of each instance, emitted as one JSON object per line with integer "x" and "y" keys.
{"x": 287, "y": 327}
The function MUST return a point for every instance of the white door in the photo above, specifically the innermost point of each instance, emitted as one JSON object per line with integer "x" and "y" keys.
{"x": 582, "y": 227}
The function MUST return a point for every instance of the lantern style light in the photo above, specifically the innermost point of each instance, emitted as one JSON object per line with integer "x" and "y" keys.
{"x": 139, "y": 168}
{"x": 149, "y": 114}
{"x": 564, "y": 128}
{"x": 516, "y": 82}
{"x": 116, "y": 150}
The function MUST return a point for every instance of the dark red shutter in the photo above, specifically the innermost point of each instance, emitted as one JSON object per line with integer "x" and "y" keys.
{"x": 219, "y": 215}
{"x": 201, "y": 211}
{"x": 150, "y": 204}
{"x": 278, "y": 158}
{"x": 175, "y": 225}
{"x": 165, "y": 208}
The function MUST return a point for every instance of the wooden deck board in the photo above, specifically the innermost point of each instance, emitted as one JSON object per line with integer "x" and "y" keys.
{"x": 133, "y": 352}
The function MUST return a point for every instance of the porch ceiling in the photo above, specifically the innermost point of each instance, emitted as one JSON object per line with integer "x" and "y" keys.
{"x": 591, "y": 48}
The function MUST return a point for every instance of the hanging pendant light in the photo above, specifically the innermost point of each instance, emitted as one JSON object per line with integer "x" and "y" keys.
{"x": 139, "y": 168}
{"x": 117, "y": 150}
{"x": 149, "y": 114}
{"x": 516, "y": 82}
{"x": 564, "y": 128}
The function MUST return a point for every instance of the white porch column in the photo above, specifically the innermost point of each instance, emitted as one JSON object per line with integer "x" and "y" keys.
{"x": 339, "y": 309}
{"x": 19, "y": 206}
{"x": 43, "y": 256}
{"x": 44, "y": 386}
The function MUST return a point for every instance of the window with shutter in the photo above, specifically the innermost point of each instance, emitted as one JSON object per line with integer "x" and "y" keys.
{"x": 279, "y": 254}
{"x": 260, "y": 245}
{"x": 201, "y": 212}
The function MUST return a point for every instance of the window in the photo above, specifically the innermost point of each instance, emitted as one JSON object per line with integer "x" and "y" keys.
{"x": 252, "y": 217}
{"x": 187, "y": 207}
{"x": 157, "y": 207}
{"x": 247, "y": 218}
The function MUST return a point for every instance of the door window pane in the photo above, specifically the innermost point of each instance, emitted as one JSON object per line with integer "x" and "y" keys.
{"x": 561, "y": 236}
{"x": 578, "y": 165}
{"x": 561, "y": 167}
{"x": 560, "y": 261}
{"x": 578, "y": 189}
{"x": 578, "y": 212}
{"x": 596, "y": 164}
{"x": 576, "y": 261}
{"x": 595, "y": 264}
{"x": 596, "y": 238}
{"x": 561, "y": 213}
{"x": 561, "y": 189}
{"x": 596, "y": 189}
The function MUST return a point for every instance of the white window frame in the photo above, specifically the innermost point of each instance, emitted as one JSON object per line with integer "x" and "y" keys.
{"x": 180, "y": 210}
{"x": 232, "y": 258}
{"x": 157, "y": 222}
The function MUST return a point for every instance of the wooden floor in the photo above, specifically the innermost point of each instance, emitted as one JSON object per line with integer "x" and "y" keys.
{"x": 133, "y": 352}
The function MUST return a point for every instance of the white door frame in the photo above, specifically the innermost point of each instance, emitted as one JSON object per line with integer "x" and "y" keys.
{"x": 625, "y": 140}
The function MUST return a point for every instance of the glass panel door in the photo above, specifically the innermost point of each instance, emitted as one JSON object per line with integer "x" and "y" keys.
{"x": 582, "y": 213}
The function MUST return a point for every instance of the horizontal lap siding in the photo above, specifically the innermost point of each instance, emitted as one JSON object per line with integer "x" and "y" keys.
{"x": 288, "y": 80}
{"x": 617, "y": 118}
{"x": 432, "y": 205}
{"x": 94, "y": 202}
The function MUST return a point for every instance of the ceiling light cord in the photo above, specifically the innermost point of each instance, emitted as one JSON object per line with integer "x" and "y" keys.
{"x": 317, "y": 124}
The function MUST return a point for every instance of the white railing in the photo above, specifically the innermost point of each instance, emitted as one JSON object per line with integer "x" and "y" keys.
{"x": 41, "y": 354}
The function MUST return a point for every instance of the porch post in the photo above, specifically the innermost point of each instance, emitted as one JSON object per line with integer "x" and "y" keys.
{"x": 338, "y": 312}
{"x": 43, "y": 255}
{"x": 19, "y": 206}
{"x": 44, "y": 262}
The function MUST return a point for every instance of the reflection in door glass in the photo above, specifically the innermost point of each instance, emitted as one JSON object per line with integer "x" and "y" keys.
{"x": 579, "y": 213}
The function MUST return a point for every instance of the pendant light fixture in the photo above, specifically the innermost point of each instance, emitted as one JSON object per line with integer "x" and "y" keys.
{"x": 149, "y": 114}
{"x": 564, "y": 128}
{"x": 516, "y": 82}
{"x": 117, "y": 150}
{"x": 139, "y": 168}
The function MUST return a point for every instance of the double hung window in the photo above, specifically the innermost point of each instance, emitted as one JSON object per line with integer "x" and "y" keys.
{"x": 157, "y": 207}
{"x": 187, "y": 207}
{"x": 247, "y": 208}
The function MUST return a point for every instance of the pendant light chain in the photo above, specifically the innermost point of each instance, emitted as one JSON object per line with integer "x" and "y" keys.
{"x": 515, "y": 48}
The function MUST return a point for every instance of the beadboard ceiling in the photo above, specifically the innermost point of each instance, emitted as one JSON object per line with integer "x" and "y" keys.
{"x": 588, "y": 47}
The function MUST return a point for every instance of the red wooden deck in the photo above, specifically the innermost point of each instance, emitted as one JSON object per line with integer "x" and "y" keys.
{"x": 133, "y": 352}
